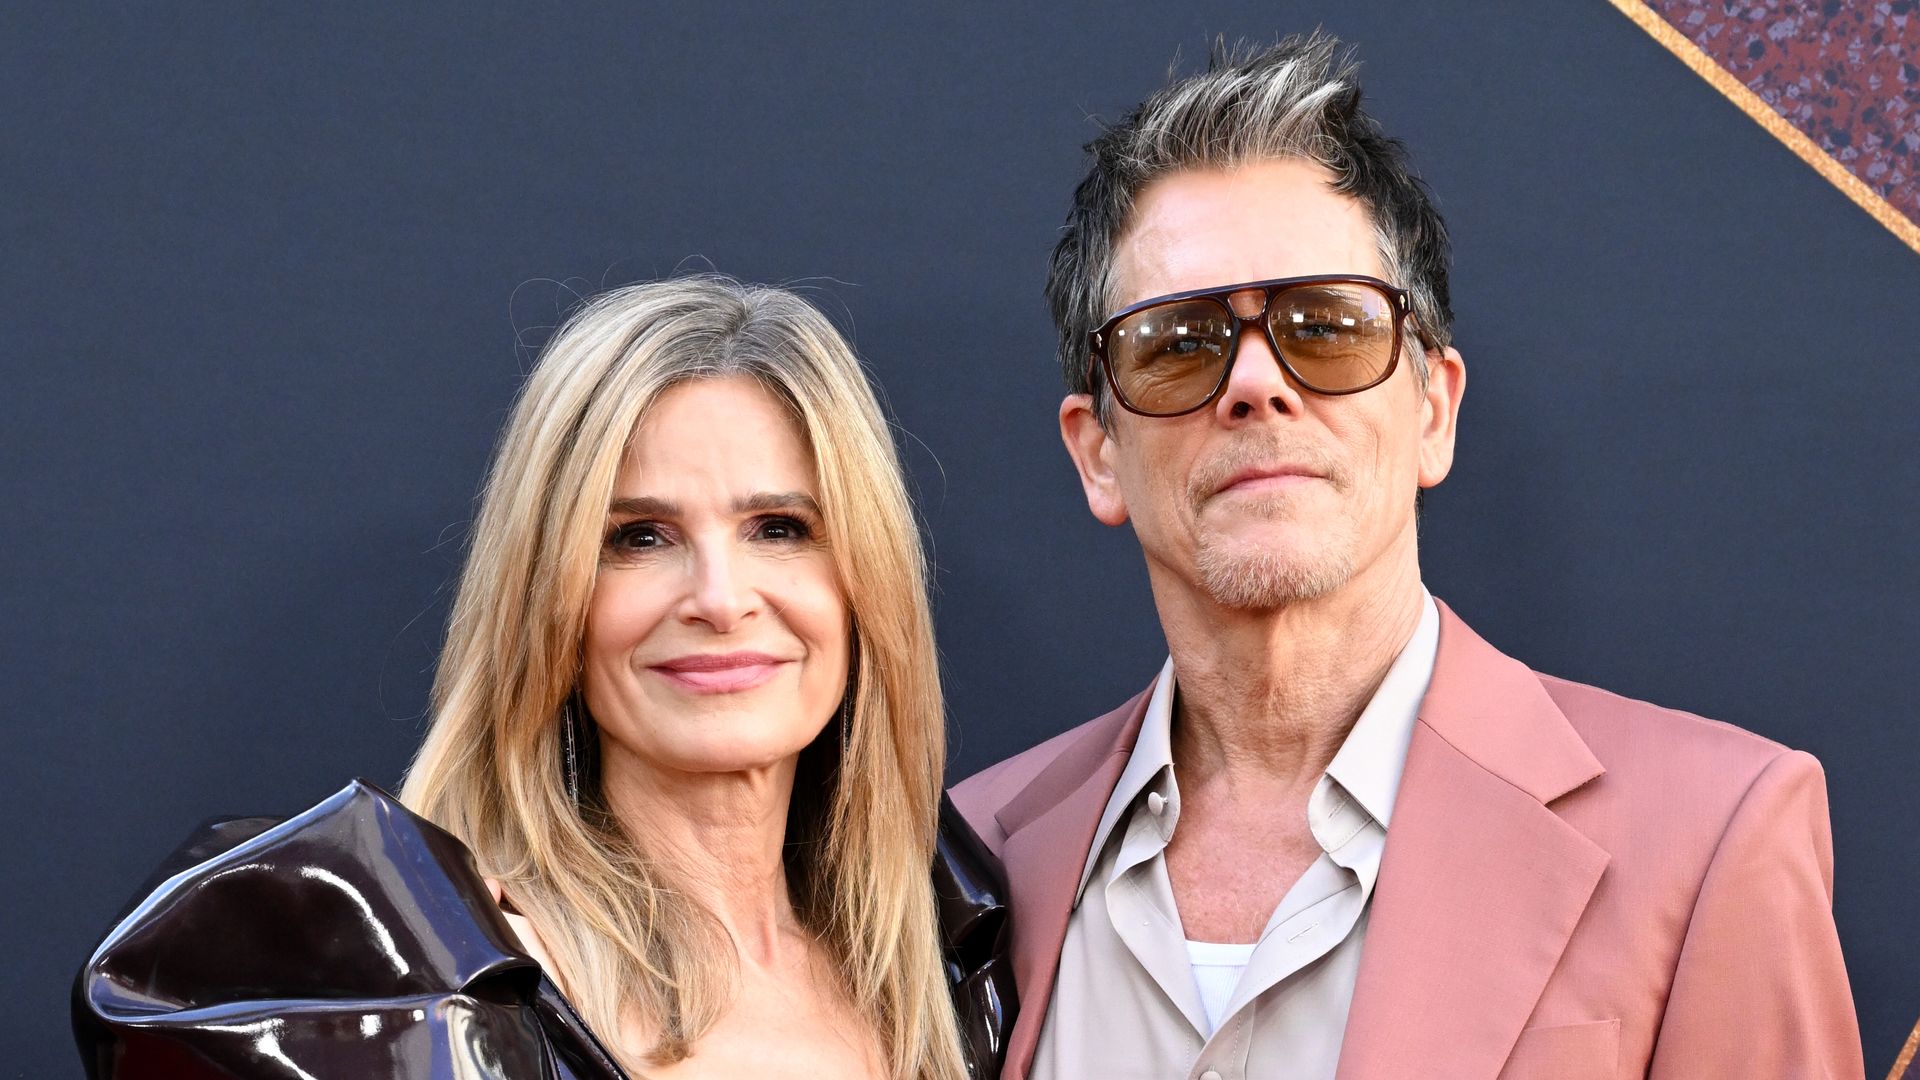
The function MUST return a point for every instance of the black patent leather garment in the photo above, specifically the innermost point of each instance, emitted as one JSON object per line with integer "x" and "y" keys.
{"x": 355, "y": 939}
{"x": 970, "y": 890}
{"x": 358, "y": 939}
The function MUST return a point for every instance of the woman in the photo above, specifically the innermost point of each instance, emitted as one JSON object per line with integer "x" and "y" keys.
{"x": 687, "y": 723}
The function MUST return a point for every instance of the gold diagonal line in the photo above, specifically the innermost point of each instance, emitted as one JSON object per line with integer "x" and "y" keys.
{"x": 1906, "y": 1054}
{"x": 1749, "y": 102}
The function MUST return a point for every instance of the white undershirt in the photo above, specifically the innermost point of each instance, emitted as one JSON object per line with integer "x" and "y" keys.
{"x": 1216, "y": 971}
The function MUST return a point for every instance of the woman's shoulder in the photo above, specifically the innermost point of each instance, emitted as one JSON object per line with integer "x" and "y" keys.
{"x": 525, "y": 934}
{"x": 354, "y": 915}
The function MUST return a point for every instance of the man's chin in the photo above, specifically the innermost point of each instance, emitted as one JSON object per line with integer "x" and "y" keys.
{"x": 1256, "y": 576}
{"x": 1297, "y": 538}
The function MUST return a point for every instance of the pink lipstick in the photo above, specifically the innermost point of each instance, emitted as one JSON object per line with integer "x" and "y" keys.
{"x": 719, "y": 673}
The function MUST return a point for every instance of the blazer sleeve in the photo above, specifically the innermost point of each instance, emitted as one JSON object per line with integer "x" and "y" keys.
{"x": 1760, "y": 989}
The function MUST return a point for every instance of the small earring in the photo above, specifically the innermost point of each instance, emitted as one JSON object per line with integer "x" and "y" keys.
{"x": 570, "y": 741}
{"x": 846, "y": 699}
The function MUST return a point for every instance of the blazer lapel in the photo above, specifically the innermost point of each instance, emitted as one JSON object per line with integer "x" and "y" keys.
{"x": 1049, "y": 829}
{"x": 1482, "y": 883}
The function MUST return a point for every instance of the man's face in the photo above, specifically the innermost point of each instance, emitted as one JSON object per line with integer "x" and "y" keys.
{"x": 1272, "y": 493}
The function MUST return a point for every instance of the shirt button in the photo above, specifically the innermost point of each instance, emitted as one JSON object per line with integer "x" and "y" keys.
{"x": 1157, "y": 805}
{"x": 1210, "y": 1075}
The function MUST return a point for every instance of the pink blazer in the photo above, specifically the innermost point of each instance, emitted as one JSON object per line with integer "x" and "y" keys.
{"x": 1576, "y": 886}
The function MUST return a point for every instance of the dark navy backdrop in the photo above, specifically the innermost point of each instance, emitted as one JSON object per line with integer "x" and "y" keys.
{"x": 264, "y": 272}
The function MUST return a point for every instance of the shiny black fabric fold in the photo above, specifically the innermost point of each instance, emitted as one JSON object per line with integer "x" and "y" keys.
{"x": 970, "y": 891}
{"x": 358, "y": 939}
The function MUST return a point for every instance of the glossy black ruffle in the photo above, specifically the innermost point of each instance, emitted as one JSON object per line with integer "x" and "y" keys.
{"x": 358, "y": 939}
{"x": 970, "y": 890}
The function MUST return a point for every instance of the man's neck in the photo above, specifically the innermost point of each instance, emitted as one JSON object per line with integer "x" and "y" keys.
{"x": 1273, "y": 693}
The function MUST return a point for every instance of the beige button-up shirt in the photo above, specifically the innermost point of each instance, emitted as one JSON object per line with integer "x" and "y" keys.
{"x": 1125, "y": 1003}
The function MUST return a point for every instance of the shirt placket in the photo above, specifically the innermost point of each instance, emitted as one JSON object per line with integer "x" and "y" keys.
{"x": 1140, "y": 901}
{"x": 1318, "y": 912}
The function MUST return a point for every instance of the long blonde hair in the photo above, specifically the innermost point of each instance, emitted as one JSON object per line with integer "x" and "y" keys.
{"x": 627, "y": 942}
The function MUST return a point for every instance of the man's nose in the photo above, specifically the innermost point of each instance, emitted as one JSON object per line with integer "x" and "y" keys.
{"x": 1257, "y": 386}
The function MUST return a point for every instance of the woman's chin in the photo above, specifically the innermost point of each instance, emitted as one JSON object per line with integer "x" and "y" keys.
{"x": 716, "y": 752}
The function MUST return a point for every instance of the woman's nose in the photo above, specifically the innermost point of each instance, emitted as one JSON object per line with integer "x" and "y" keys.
{"x": 719, "y": 593}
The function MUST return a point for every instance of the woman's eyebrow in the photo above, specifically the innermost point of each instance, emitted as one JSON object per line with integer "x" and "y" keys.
{"x": 643, "y": 506}
{"x": 777, "y": 500}
{"x": 759, "y": 502}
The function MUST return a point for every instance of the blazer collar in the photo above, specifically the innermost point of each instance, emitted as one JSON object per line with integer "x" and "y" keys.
{"x": 1482, "y": 882}
{"x": 1108, "y": 736}
{"x": 1492, "y": 709}
{"x": 1049, "y": 828}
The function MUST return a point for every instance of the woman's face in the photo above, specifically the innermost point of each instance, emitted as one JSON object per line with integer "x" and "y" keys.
{"x": 717, "y": 634}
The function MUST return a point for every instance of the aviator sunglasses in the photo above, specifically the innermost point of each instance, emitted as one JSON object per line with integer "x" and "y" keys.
{"x": 1334, "y": 334}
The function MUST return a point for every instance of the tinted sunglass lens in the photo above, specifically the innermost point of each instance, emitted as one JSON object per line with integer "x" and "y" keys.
{"x": 1169, "y": 357}
{"x": 1337, "y": 336}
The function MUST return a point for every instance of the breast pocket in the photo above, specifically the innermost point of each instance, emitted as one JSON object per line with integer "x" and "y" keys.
{"x": 1588, "y": 1051}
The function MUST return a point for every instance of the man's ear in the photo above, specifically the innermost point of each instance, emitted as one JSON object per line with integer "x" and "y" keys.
{"x": 1440, "y": 413}
{"x": 1091, "y": 448}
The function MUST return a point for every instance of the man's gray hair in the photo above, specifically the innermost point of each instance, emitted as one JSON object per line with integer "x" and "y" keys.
{"x": 1298, "y": 99}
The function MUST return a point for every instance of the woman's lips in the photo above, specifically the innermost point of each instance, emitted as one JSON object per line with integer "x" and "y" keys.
{"x": 725, "y": 673}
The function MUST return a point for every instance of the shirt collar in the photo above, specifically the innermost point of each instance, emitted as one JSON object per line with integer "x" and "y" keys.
{"x": 1368, "y": 764}
{"x": 1370, "y": 761}
{"x": 1152, "y": 753}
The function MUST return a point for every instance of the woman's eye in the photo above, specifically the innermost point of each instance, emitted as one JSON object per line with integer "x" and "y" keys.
{"x": 783, "y": 528}
{"x": 635, "y": 536}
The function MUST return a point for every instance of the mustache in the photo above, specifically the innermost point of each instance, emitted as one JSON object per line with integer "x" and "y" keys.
{"x": 1261, "y": 452}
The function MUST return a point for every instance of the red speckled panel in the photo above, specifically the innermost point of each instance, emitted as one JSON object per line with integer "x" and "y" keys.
{"x": 1847, "y": 74}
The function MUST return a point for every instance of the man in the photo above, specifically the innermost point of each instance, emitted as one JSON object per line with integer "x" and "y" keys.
{"x": 1340, "y": 835}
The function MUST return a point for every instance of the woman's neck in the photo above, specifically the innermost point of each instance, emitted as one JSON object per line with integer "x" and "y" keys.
{"x": 721, "y": 836}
